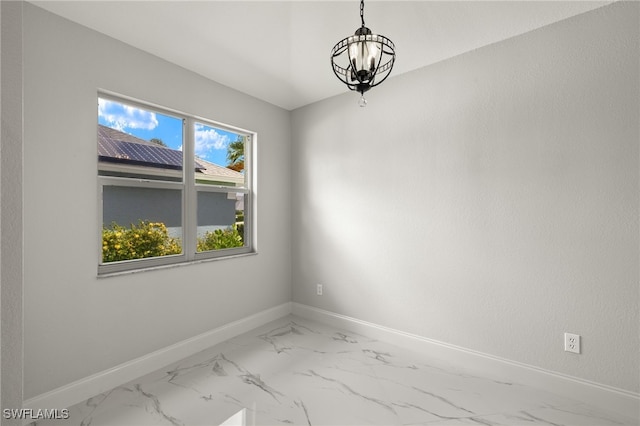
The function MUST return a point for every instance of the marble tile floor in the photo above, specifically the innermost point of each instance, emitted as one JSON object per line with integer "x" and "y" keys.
{"x": 298, "y": 372}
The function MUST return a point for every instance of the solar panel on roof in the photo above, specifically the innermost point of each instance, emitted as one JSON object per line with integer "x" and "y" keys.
{"x": 149, "y": 155}
{"x": 127, "y": 152}
{"x": 141, "y": 153}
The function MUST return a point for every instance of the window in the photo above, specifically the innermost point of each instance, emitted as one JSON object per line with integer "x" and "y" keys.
{"x": 173, "y": 188}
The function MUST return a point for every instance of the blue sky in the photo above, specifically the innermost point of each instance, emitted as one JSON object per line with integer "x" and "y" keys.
{"x": 210, "y": 142}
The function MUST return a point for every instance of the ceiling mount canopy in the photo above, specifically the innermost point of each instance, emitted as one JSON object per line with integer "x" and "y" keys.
{"x": 363, "y": 60}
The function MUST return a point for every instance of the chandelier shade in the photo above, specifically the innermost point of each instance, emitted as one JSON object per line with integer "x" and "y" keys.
{"x": 363, "y": 60}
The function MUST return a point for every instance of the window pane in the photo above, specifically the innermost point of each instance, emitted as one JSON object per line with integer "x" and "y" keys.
{"x": 220, "y": 220}
{"x": 138, "y": 143}
{"x": 219, "y": 156}
{"x": 140, "y": 223}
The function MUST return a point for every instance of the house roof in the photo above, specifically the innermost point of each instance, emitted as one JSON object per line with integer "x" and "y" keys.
{"x": 214, "y": 170}
{"x": 118, "y": 147}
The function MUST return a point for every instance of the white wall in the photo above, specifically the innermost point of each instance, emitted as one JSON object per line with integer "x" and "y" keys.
{"x": 74, "y": 323}
{"x": 489, "y": 201}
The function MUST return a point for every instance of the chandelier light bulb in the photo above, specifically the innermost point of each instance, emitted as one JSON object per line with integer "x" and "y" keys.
{"x": 364, "y": 55}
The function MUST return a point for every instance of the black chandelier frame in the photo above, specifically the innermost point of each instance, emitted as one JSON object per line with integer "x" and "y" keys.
{"x": 361, "y": 81}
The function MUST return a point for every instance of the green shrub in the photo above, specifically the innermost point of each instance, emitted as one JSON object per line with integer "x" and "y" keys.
{"x": 151, "y": 239}
{"x": 220, "y": 239}
{"x": 147, "y": 239}
{"x": 240, "y": 228}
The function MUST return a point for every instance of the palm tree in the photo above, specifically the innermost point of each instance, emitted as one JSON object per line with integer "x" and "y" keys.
{"x": 235, "y": 155}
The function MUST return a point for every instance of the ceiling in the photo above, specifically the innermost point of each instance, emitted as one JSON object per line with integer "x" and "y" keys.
{"x": 278, "y": 51}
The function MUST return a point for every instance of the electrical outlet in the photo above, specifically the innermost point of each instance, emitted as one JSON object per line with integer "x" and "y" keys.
{"x": 572, "y": 343}
{"x": 319, "y": 289}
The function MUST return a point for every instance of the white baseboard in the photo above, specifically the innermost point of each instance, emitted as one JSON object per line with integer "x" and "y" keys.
{"x": 595, "y": 394}
{"x": 95, "y": 384}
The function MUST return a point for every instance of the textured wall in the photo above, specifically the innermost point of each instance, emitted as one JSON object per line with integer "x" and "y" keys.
{"x": 11, "y": 134}
{"x": 489, "y": 201}
{"x": 76, "y": 324}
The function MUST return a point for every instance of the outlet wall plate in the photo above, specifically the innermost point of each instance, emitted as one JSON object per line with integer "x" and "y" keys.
{"x": 572, "y": 343}
{"x": 319, "y": 289}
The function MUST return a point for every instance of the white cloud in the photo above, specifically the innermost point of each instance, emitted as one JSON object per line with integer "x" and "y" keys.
{"x": 122, "y": 117}
{"x": 208, "y": 139}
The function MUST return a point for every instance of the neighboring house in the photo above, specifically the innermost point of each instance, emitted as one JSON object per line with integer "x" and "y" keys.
{"x": 124, "y": 155}
{"x": 121, "y": 154}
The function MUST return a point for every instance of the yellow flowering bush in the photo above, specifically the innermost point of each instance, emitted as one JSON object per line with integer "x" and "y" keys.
{"x": 146, "y": 239}
{"x": 220, "y": 239}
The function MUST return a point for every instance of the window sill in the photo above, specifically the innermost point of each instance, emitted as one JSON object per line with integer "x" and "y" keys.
{"x": 173, "y": 265}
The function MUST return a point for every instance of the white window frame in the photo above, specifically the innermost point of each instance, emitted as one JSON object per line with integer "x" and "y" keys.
{"x": 189, "y": 189}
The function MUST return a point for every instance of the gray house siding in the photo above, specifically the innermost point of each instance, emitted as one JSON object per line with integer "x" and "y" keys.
{"x": 126, "y": 206}
{"x": 216, "y": 210}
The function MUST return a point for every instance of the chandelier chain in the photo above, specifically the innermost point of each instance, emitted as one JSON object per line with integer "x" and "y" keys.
{"x": 362, "y": 12}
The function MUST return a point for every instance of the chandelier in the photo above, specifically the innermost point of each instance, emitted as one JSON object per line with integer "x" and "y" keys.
{"x": 363, "y": 60}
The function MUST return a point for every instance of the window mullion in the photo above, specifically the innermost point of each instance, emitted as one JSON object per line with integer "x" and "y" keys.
{"x": 190, "y": 207}
{"x": 137, "y": 183}
{"x": 223, "y": 189}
